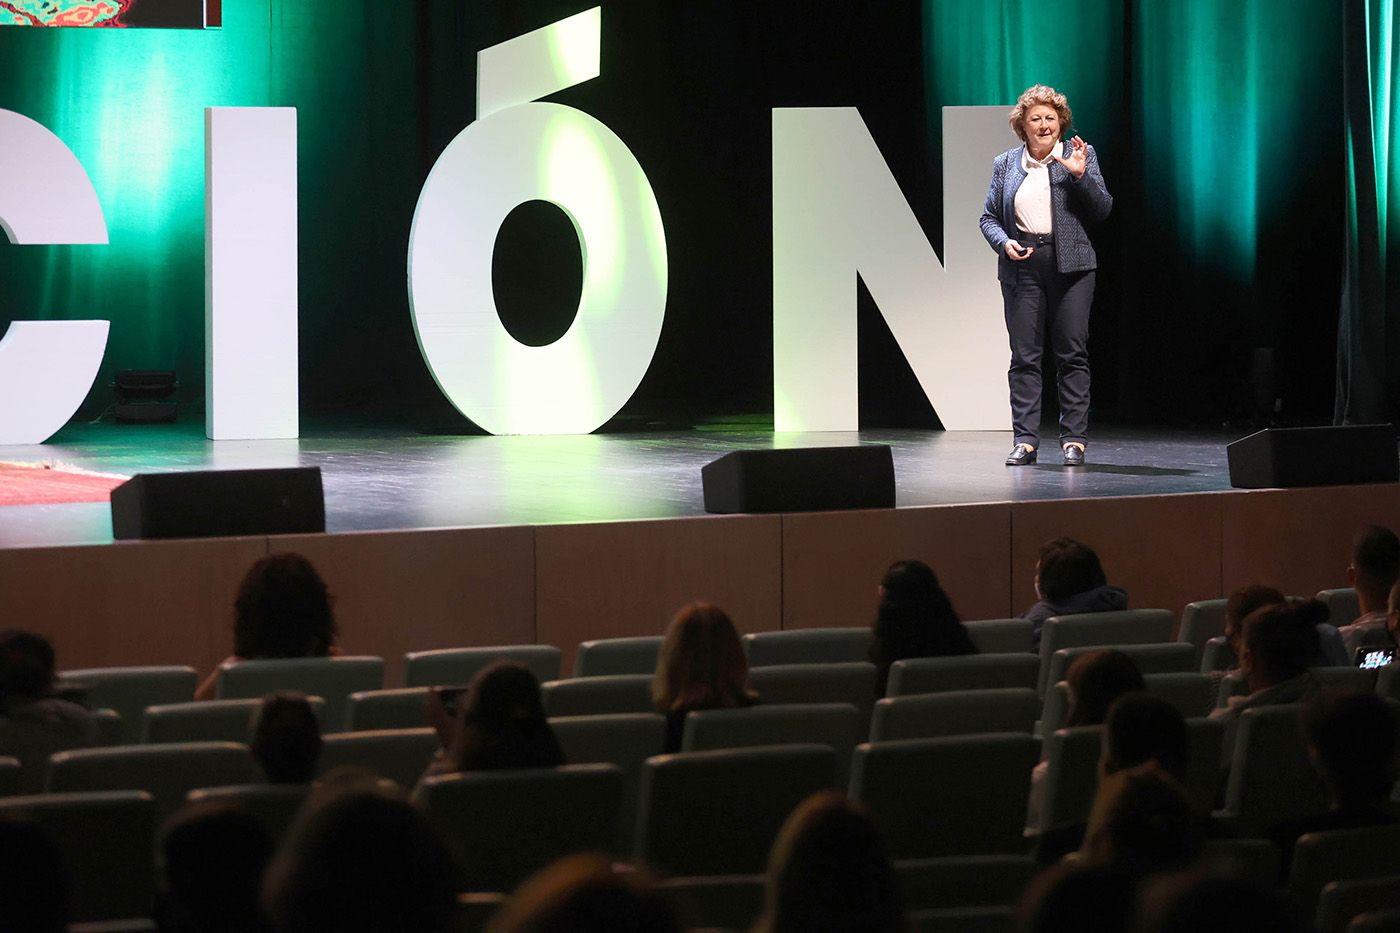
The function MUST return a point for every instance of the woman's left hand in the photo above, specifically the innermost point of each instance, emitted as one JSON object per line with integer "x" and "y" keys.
{"x": 1078, "y": 153}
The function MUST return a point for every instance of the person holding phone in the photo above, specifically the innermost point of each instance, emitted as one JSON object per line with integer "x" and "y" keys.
{"x": 1043, "y": 196}
{"x": 496, "y": 723}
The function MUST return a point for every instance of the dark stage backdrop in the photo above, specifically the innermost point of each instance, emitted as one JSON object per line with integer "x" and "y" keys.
{"x": 1219, "y": 124}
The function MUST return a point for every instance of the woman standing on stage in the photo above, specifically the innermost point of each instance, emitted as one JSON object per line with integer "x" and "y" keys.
{"x": 1042, "y": 196}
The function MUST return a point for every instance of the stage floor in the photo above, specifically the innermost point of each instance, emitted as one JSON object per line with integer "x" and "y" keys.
{"x": 376, "y": 480}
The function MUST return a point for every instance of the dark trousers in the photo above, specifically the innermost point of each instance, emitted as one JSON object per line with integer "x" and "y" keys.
{"x": 1042, "y": 299}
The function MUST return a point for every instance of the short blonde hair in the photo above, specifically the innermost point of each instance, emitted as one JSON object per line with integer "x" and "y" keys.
{"x": 1040, "y": 94}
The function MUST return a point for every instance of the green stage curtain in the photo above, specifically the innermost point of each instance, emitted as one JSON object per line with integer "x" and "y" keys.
{"x": 1369, "y": 331}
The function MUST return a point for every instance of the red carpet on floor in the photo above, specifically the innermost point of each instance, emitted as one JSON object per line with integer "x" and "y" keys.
{"x": 53, "y": 484}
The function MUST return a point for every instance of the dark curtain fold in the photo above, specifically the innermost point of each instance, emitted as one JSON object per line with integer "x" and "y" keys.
{"x": 1368, "y": 333}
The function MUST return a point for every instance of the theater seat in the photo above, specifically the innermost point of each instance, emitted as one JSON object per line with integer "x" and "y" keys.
{"x": 404, "y": 708}
{"x": 717, "y": 902}
{"x": 1000, "y": 636}
{"x": 596, "y": 696}
{"x": 107, "y": 840}
{"x": 129, "y": 690}
{"x": 1200, "y": 622}
{"x": 503, "y": 826}
{"x": 962, "y": 712}
{"x": 1102, "y": 629}
{"x": 1341, "y": 855}
{"x": 207, "y": 720}
{"x": 1271, "y": 778}
{"x": 623, "y": 739}
{"x": 401, "y": 755}
{"x": 962, "y": 672}
{"x": 457, "y": 666}
{"x": 717, "y": 813}
{"x": 607, "y": 656}
{"x": 166, "y": 772}
{"x": 275, "y": 806}
{"x": 954, "y": 796}
{"x": 850, "y": 682}
{"x": 808, "y": 646}
{"x": 1342, "y": 901}
{"x": 836, "y": 725}
{"x": 332, "y": 679}
{"x": 954, "y": 882}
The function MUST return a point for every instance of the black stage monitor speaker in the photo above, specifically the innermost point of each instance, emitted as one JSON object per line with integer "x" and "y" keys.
{"x": 813, "y": 479}
{"x": 1325, "y": 456}
{"x": 219, "y": 503}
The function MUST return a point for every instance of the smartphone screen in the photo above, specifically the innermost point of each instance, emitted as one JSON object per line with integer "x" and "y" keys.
{"x": 1370, "y": 658}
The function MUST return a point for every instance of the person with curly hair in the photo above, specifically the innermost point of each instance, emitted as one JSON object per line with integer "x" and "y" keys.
{"x": 1042, "y": 198}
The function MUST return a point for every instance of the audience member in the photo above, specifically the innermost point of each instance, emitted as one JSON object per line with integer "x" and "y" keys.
{"x": 28, "y": 700}
{"x": 829, "y": 870}
{"x": 499, "y": 724}
{"x": 282, "y": 610}
{"x": 1095, "y": 679}
{"x": 1246, "y": 599}
{"x": 1069, "y": 580}
{"x": 212, "y": 857}
{"x": 1278, "y": 645}
{"x": 1139, "y": 729}
{"x": 914, "y": 619}
{"x": 33, "y": 879}
{"x": 361, "y": 862}
{"x": 1374, "y": 569}
{"x": 701, "y": 666}
{"x": 286, "y": 738}
{"x": 1072, "y": 898}
{"x": 1351, "y": 741}
{"x": 1142, "y": 823}
{"x": 587, "y": 893}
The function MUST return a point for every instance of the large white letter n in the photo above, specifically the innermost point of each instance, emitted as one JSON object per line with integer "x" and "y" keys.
{"x": 838, "y": 212}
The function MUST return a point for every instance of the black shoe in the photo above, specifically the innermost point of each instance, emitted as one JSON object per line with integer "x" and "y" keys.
{"x": 1074, "y": 455}
{"x": 1021, "y": 455}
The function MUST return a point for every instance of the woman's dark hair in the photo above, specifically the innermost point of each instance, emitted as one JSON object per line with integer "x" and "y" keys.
{"x": 503, "y": 723}
{"x": 584, "y": 893}
{"x": 1352, "y": 736}
{"x": 286, "y": 738}
{"x": 1142, "y": 822}
{"x": 214, "y": 854}
{"x": 1068, "y": 568}
{"x": 361, "y": 861}
{"x": 1142, "y": 728}
{"x": 283, "y": 611}
{"x": 26, "y": 666}
{"x": 829, "y": 870}
{"x": 1096, "y": 679}
{"x": 915, "y": 618}
{"x": 701, "y": 664}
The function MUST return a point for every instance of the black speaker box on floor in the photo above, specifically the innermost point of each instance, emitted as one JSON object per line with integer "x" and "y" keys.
{"x": 813, "y": 479}
{"x": 219, "y": 503}
{"x": 1324, "y": 456}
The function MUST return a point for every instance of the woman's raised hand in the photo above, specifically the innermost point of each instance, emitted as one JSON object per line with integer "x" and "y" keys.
{"x": 1078, "y": 153}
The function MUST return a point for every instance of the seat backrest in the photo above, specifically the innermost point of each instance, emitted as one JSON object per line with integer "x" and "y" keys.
{"x": 32, "y": 744}
{"x": 1256, "y": 860}
{"x": 1103, "y": 629}
{"x": 1071, "y": 776}
{"x": 401, "y": 755}
{"x": 1055, "y": 713}
{"x": 505, "y": 825}
{"x": 208, "y": 720}
{"x": 1232, "y": 685}
{"x": 107, "y": 841}
{"x": 1340, "y": 901}
{"x": 808, "y": 646}
{"x": 962, "y": 672}
{"x": 1341, "y": 855}
{"x": 275, "y": 806}
{"x": 1343, "y": 605}
{"x": 961, "y": 712}
{"x": 1204, "y": 774}
{"x": 606, "y": 656}
{"x": 963, "y": 881}
{"x": 956, "y": 796}
{"x": 852, "y": 682}
{"x": 1191, "y": 693}
{"x": 623, "y": 739}
{"x": 717, "y": 812}
{"x": 1271, "y": 778}
{"x": 597, "y": 696}
{"x": 1388, "y": 681}
{"x": 1349, "y": 679}
{"x": 129, "y": 690}
{"x": 1158, "y": 658}
{"x": 1218, "y": 656}
{"x": 166, "y": 772}
{"x": 449, "y": 667}
{"x": 717, "y": 902}
{"x": 1200, "y": 622}
{"x": 1376, "y": 921}
{"x": 1000, "y": 636}
{"x": 403, "y": 708}
{"x": 332, "y": 679}
{"x": 10, "y": 771}
{"x": 838, "y": 725}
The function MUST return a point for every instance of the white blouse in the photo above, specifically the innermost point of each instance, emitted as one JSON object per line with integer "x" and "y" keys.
{"x": 1033, "y": 197}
